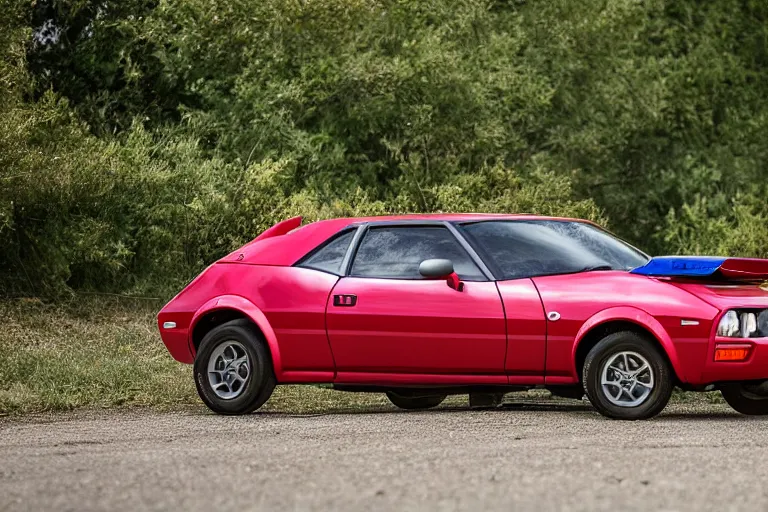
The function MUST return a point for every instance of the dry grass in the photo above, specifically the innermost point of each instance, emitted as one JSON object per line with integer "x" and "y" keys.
{"x": 106, "y": 352}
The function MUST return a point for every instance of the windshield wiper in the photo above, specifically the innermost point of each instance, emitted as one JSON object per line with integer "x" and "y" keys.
{"x": 595, "y": 267}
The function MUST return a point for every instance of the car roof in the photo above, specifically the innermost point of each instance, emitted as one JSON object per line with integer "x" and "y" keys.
{"x": 450, "y": 217}
{"x": 287, "y": 249}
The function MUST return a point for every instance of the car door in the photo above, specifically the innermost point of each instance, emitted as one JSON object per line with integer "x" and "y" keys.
{"x": 384, "y": 317}
{"x": 512, "y": 259}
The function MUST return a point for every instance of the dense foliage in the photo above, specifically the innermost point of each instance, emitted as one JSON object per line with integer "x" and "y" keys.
{"x": 141, "y": 139}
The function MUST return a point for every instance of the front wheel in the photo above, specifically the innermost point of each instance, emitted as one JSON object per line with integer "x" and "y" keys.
{"x": 743, "y": 400}
{"x": 626, "y": 377}
{"x": 415, "y": 402}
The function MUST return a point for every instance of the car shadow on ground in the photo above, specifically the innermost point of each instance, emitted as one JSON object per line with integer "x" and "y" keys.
{"x": 723, "y": 416}
{"x": 387, "y": 409}
{"x": 676, "y": 412}
{"x": 564, "y": 406}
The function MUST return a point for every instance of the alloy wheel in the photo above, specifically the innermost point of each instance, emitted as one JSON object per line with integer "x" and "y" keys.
{"x": 229, "y": 369}
{"x": 627, "y": 379}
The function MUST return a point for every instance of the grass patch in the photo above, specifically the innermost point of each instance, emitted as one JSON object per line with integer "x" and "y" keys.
{"x": 93, "y": 352}
{"x": 708, "y": 397}
{"x": 106, "y": 352}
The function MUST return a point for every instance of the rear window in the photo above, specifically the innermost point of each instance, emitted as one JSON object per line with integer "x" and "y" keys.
{"x": 329, "y": 256}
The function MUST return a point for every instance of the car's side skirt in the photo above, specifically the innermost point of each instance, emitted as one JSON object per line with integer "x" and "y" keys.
{"x": 417, "y": 379}
{"x": 407, "y": 379}
{"x": 304, "y": 377}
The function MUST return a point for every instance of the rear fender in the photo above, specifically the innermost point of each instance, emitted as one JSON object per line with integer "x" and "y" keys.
{"x": 638, "y": 317}
{"x": 249, "y": 309}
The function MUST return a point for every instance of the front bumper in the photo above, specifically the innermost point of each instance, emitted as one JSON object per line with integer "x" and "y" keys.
{"x": 755, "y": 367}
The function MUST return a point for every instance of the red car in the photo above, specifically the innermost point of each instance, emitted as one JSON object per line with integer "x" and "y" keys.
{"x": 424, "y": 306}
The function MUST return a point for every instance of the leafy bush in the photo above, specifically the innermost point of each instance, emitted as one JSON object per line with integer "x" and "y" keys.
{"x": 140, "y": 140}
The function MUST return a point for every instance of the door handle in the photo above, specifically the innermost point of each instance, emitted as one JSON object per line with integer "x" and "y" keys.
{"x": 344, "y": 301}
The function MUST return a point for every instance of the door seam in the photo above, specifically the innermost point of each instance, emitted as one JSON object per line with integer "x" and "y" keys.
{"x": 506, "y": 331}
{"x": 546, "y": 329}
{"x": 325, "y": 325}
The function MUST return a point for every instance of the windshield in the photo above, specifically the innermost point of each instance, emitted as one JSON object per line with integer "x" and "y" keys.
{"x": 528, "y": 248}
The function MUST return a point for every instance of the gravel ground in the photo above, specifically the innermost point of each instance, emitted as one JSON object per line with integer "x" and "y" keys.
{"x": 519, "y": 457}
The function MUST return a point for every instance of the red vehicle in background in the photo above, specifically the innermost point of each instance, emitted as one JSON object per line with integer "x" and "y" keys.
{"x": 424, "y": 306}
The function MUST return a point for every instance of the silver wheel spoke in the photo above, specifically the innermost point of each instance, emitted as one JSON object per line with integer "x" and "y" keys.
{"x": 640, "y": 370}
{"x": 229, "y": 369}
{"x": 220, "y": 384}
{"x": 621, "y": 385}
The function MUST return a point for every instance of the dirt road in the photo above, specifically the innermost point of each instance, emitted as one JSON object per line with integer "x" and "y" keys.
{"x": 700, "y": 457}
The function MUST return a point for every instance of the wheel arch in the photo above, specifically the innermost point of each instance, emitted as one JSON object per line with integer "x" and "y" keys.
{"x": 231, "y": 307}
{"x": 618, "y": 319}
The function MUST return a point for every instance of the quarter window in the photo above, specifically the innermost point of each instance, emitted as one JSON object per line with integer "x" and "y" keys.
{"x": 330, "y": 256}
{"x": 396, "y": 252}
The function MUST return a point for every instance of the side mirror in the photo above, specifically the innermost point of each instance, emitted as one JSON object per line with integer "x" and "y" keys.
{"x": 436, "y": 269}
{"x": 441, "y": 269}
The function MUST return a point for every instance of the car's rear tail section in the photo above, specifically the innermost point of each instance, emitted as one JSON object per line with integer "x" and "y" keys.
{"x": 241, "y": 273}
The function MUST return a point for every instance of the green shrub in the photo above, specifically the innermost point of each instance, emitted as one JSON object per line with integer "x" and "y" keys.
{"x": 140, "y": 140}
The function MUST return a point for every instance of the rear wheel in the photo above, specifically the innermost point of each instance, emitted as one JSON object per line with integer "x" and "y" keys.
{"x": 233, "y": 369}
{"x": 743, "y": 400}
{"x": 415, "y": 402}
{"x": 626, "y": 377}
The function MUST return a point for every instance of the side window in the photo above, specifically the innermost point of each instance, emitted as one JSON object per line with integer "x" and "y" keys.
{"x": 329, "y": 257}
{"x": 514, "y": 253}
{"x": 396, "y": 252}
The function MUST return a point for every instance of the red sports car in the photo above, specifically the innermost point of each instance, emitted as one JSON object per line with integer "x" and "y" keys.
{"x": 423, "y": 306}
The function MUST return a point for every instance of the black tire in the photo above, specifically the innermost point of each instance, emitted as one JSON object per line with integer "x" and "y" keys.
{"x": 603, "y": 352}
{"x": 742, "y": 400}
{"x": 258, "y": 385}
{"x": 415, "y": 402}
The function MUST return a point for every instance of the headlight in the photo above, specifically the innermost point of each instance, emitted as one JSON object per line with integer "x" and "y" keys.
{"x": 744, "y": 324}
{"x": 729, "y": 325}
{"x": 762, "y": 323}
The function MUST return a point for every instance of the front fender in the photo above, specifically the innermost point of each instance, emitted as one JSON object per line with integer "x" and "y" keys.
{"x": 636, "y": 316}
{"x": 250, "y": 310}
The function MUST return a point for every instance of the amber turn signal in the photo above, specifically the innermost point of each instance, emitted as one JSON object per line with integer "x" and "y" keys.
{"x": 732, "y": 352}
